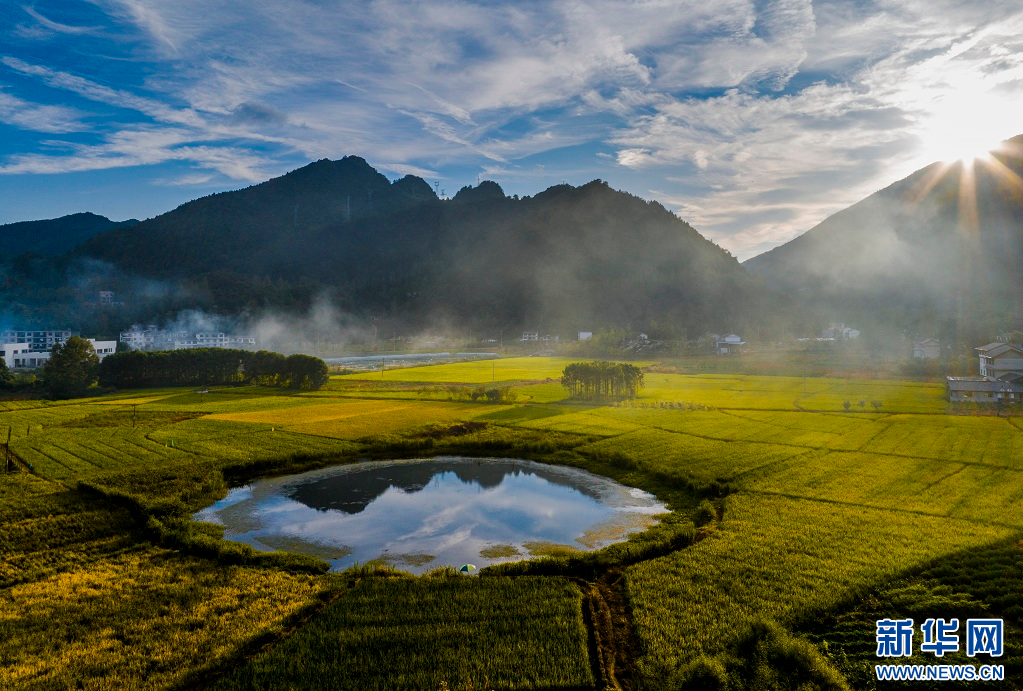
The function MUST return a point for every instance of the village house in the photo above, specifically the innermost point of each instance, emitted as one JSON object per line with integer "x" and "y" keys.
{"x": 840, "y": 332}
{"x": 1000, "y": 380}
{"x": 729, "y": 345}
{"x": 926, "y": 348}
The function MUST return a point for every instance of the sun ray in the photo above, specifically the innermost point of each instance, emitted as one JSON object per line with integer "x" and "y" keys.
{"x": 969, "y": 220}
{"x": 1001, "y": 171}
{"x": 923, "y": 188}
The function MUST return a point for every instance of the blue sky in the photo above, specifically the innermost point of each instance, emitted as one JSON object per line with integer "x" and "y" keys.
{"x": 752, "y": 120}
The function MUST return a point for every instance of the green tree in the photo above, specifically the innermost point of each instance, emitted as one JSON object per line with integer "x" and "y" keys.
{"x": 71, "y": 369}
{"x": 305, "y": 372}
{"x": 6, "y": 377}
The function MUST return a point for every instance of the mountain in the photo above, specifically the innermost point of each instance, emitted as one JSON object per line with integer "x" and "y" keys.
{"x": 55, "y": 236}
{"x": 937, "y": 253}
{"x": 568, "y": 258}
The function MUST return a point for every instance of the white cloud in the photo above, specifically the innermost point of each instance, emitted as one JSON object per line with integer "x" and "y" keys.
{"x": 39, "y": 118}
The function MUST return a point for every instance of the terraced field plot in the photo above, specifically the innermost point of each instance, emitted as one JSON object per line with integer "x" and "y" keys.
{"x": 791, "y": 393}
{"x": 476, "y": 372}
{"x": 356, "y": 419}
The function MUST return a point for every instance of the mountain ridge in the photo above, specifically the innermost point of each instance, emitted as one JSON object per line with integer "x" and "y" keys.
{"x": 54, "y": 236}
{"x": 939, "y": 252}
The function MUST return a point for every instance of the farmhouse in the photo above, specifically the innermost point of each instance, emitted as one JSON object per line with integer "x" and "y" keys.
{"x": 729, "y": 345}
{"x": 926, "y": 348}
{"x": 840, "y": 332}
{"x": 1000, "y": 380}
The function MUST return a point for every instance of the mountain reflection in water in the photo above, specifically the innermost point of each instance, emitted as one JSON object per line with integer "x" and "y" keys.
{"x": 421, "y": 514}
{"x": 353, "y": 492}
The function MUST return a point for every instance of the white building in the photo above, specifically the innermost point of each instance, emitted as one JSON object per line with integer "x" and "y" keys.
{"x": 24, "y": 356}
{"x": 585, "y": 335}
{"x": 40, "y": 340}
{"x": 840, "y": 332}
{"x": 14, "y": 355}
{"x": 215, "y": 340}
{"x": 103, "y": 348}
{"x": 153, "y": 338}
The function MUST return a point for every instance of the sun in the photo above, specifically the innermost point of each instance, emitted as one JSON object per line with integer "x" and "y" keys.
{"x": 965, "y": 127}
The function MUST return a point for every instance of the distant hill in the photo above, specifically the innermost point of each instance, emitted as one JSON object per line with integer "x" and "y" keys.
{"x": 568, "y": 258}
{"x": 938, "y": 253}
{"x": 55, "y": 236}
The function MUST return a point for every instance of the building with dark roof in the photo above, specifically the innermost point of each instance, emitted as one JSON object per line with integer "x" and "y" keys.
{"x": 1000, "y": 380}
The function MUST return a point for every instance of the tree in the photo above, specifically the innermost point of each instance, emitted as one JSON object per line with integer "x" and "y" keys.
{"x": 602, "y": 381}
{"x": 305, "y": 372}
{"x": 6, "y": 377}
{"x": 71, "y": 369}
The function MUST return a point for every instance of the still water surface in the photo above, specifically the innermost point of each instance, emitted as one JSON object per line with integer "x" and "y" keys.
{"x": 421, "y": 514}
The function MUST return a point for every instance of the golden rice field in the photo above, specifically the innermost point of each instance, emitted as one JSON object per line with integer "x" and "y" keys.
{"x": 359, "y": 418}
{"x": 476, "y": 372}
{"x": 144, "y": 619}
{"x": 824, "y": 507}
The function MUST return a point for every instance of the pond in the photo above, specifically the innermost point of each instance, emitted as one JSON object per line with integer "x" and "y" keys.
{"x": 421, "y": 514}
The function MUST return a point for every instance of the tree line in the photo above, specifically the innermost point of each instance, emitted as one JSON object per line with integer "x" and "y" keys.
{"x": 211, "y": 367}
{"x": 601, "y": 380}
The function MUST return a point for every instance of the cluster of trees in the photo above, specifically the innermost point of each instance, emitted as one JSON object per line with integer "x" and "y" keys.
{"x": 211, "y": 367}
{"x": 601, "y": 380}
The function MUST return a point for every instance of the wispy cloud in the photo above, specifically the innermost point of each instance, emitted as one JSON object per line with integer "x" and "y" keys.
{"x": 39, "y": 118}
{"x": 57, "y": 26}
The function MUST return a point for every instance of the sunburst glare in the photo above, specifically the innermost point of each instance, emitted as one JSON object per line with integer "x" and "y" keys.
{"x": 966, "y": 124}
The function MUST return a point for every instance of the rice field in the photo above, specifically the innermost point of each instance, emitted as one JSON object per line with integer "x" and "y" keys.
{"x": 354, "y": 419}
{"x": 782, "y": 559}
{"x": 792, "y": 393}
{"x": 826, "y": 506}
{"x": 140, "y": 619}
{"x": 475, "y": 372}
{"x": 434, "y": 633}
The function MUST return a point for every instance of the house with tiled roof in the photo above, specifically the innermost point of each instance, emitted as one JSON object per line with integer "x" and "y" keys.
{"x": 1000, "y": 380}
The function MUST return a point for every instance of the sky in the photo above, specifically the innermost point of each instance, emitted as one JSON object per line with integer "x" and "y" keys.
{"x": 751, "y": 120}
